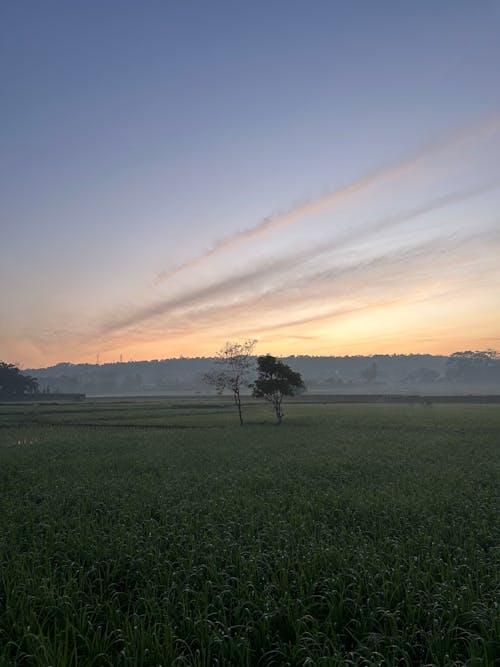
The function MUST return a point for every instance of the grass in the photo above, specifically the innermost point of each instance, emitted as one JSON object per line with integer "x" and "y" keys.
{"x": 348, "y": 536}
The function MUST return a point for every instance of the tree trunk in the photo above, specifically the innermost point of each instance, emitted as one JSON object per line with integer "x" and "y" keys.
{"x": 279, "y": 414}
{"x": 237, "y": 400}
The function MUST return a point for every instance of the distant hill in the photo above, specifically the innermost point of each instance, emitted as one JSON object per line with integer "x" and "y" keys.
{"x": 356, "y": 374}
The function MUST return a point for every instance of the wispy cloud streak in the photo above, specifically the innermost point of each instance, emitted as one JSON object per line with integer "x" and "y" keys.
{"x": 389, "y": 280}
{"x": 301, "y": 304}
{"x": 292, "y": 215}
{"x": 267, "y": 271}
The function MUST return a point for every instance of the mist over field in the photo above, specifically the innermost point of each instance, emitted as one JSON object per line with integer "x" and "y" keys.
{"x": 379, "y": 374}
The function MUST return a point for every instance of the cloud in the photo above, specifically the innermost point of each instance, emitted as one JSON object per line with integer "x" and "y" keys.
{"x": 389, "y": 281}
{"x": 315, "y": 205}
{"x": 278, "y": 268}
{"x": 306, "y": 306}
{"x": 288, "y": 294}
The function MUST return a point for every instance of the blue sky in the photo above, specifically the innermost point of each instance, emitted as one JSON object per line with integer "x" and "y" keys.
{"x": 138, "y": 136}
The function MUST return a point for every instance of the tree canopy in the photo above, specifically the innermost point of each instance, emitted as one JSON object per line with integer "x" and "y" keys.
{"x": 276, "y": 380}
{"x": 14, "y": 383}
{"x": 473, "y": 366}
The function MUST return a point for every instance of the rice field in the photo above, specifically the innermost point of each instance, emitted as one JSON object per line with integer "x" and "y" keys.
{"x": 162, "y": 533}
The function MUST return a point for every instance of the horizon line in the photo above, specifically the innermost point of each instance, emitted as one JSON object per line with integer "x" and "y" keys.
{"x": 285, "y": 356}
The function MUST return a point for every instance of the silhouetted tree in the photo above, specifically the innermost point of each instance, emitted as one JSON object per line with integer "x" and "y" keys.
{"x": 236, "y": 361}
{"x": 14, "y": 383}
{"x": 472, "y": 365}
{"x": 274, "y": 381}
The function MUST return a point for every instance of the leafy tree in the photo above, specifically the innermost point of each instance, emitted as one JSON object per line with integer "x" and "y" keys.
{"x": 236, "y": 361}
{"x": 274, "y": 381}
{"x": 14, "y": 383}
{"x": 473, "y": 365}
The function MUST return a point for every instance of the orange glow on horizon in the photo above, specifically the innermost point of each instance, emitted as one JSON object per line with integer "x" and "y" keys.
{"x": 283, "y": 345}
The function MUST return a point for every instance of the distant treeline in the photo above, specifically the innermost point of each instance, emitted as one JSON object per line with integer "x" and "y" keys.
{"x": 462, "y": 371}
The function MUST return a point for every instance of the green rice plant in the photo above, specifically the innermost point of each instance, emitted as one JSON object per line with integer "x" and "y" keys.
{"x": 349, "y": 536}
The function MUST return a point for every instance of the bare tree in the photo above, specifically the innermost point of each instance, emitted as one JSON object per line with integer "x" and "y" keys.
{"x": 236, "y": 361}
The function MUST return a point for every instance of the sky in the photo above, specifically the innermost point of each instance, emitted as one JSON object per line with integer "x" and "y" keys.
{"x": 323, "y": 177}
